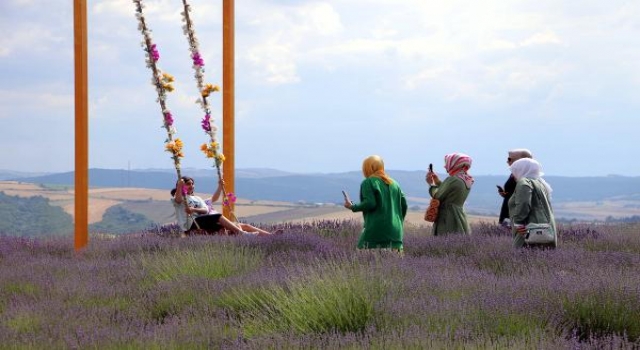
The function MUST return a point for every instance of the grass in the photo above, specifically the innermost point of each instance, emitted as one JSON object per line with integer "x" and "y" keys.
{"x": 331, "y": 297}
{"x": 309, "y": 288}
{"x": 211, "y": 261}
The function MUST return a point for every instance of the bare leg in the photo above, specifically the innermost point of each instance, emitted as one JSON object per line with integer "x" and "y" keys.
{"x": 229, "y": 225}
{"x": 260, "y": 232}
{"x": 252, "y": 229}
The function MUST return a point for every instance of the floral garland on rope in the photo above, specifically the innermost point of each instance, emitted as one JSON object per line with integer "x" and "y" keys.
{"x": 211, "y": 148}
{"x": 163, "y": 83}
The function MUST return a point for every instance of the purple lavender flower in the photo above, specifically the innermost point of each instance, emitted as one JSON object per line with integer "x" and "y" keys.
{"x": 153, "y": 290}
{"x": 197, "y": 59}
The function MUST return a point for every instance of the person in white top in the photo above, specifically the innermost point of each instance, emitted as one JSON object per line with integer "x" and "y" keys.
{"x": 194, "y": 214}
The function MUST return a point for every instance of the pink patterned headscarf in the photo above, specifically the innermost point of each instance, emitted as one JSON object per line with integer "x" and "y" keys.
{"x": 457, "y": 164}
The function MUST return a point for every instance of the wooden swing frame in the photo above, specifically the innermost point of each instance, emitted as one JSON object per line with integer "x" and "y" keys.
{"x": 80, "y": 49}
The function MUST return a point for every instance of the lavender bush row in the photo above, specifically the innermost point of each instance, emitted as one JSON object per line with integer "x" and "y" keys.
{"x": 309, "y": 288}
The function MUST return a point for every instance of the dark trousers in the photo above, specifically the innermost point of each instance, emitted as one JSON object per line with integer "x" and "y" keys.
{"x": 208, "y": 223}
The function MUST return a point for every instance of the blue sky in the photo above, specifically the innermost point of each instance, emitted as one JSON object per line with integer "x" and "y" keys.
{"x": 320, "y": 85}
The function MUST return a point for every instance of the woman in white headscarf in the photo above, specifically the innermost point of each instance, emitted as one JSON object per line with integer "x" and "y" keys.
{"x": 530, "y": 202}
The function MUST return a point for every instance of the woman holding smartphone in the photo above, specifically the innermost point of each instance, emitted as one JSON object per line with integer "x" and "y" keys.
{"x": 510, "y": 186}
{"x": 383, "y": 206}
{"x": 452, "y": 193}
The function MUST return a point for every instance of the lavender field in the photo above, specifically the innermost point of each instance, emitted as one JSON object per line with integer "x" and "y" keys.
{"x": 309, "y": 288}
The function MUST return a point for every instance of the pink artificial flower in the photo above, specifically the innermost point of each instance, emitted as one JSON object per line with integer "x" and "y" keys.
{"x": 155, "y": 55}
{"x": 230, "y": 198}
{"x": 206, "y": 122}
{"x": 168, "y": 119}
{"x": 197, "y": 59}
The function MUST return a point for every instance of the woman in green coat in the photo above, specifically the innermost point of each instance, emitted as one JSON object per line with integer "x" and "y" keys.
{"x": 383, "y": 206}
{"x": 452, "y": 193}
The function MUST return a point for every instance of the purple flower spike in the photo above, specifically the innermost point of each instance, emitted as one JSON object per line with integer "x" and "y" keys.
{"x": 155, "y": 55}
{"x": 197, "y": 59}
{"x": 206, "y": 122}
{"x": 168, "y": 119}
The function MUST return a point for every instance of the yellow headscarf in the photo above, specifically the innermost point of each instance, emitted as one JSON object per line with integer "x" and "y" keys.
{"x": 374, "y": 166}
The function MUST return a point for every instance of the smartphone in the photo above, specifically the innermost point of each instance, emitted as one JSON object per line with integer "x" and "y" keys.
{"x": 346, "y": 196}
{"x": 431, "y": 167}
{"x": 500, "y": 188}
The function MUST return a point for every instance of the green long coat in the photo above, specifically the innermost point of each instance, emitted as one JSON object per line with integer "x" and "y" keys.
{"x": 530, "y": 204}
{"x": 452, "y": 193}
{"x": 383, "y": 208}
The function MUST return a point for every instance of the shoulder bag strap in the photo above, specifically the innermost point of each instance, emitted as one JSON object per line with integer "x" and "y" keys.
{"x": 547, "y": 205}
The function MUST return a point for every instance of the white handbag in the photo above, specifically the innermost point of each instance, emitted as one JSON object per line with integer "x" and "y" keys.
{"x": 539, "y": 234}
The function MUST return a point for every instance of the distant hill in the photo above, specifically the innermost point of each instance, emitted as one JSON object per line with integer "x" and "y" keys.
{"x": 12, "y": 175}
{"x": 270, "y": 184}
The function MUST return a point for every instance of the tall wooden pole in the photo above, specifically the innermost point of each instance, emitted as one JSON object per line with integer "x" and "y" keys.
{"x": 81, "y": 124}
{"x": 228, "y": 98}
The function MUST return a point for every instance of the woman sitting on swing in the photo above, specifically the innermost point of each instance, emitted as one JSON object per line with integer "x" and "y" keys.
{"x": 195, "y": 215}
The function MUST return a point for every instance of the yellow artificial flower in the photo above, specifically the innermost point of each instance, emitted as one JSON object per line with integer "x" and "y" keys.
{"x": 220, "y": 157}
{"x": 209, "y": 88}
{"x": 179, "y": 144}
{"x": 174, "y": 147}
{"x": 167, "y": 77}
{"x": 209, "y": 152}
{"x": 213, "y": 145}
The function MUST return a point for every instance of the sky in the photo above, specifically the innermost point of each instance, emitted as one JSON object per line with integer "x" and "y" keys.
{"x": 320, "y": 85}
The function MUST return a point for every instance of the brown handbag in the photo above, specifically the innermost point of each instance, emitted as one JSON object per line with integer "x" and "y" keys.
{"x": 431, "y": 214}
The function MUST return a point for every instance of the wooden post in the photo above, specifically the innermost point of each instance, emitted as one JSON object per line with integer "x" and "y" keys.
{"x": 228, "y": 97}
{"x": 81, "y": 192}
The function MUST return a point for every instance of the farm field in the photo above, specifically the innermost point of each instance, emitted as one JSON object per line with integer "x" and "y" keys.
{"x": 154, "y": 204}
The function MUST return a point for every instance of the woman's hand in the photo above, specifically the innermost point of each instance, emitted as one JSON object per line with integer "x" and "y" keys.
{"x": 432, "y": 178}
{"x": 520, "y": 229}
{"x": 194, "y": 210}
{"x": 348, "y": 204}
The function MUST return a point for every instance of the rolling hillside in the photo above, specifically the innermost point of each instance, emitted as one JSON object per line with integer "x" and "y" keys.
{"x": 271, "y": 196}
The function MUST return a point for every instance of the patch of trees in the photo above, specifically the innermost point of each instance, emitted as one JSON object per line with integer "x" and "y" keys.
{"x": 626, "y": 219}
{"x": 119, "y": 220}
{"x": 32, "y": 216}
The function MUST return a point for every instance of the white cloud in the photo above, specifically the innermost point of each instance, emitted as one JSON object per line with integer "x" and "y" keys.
{"x": 542, "y": 38}
{"x": 122, "y": 8}
{"x": 35, "y": 103}
{"x": 368, "y": 57}
{"x": 30, "y": 38}
{"x": 273, "y": 62}
{"x": 282, "y": 36}
{"x": 428, "y": 75}
{"x": 159, "y": 10}
{"x": 23, "y": 3}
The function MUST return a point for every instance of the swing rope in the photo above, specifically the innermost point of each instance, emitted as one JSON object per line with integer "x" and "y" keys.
{"x": 211, "y": 148}
{"x": 163, "y": 84}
